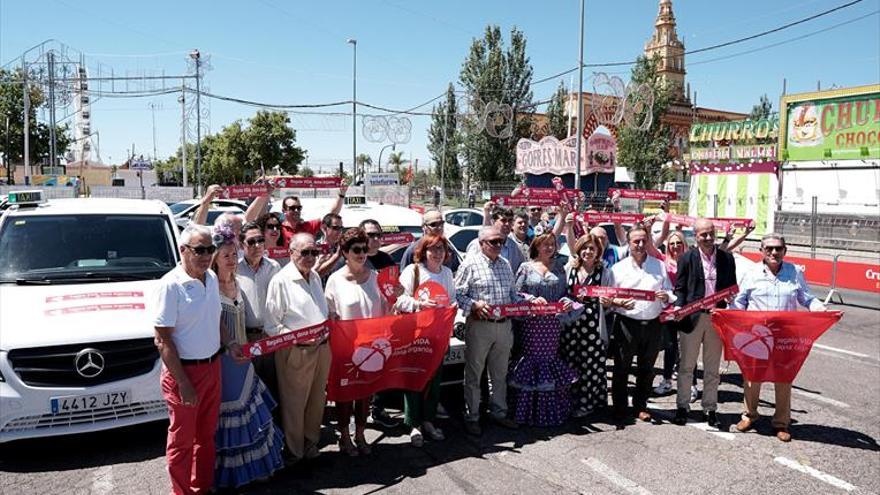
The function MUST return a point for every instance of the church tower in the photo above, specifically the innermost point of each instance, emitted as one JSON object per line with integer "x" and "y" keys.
{"x": 665, "y": 44}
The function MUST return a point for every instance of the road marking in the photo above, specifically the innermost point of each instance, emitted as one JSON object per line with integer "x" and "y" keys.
{"x": 700, "y": 426}
{"x": 622, "y": 482}
{"x": 102, "y": 480}
{"x": 853, "y": 359}
{"x": 820, "y": 398}
{"x": 827, "y": 478}
{"x": 842, "y": 351}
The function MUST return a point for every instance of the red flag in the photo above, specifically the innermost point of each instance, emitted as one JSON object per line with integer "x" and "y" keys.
{"x": 400, "y": 351}
{"x": 771, "y": 346}
{"x": 388, "y": 280}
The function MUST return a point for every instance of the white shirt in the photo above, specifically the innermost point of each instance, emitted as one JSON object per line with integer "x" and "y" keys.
{"x": 651, "y": 276}
{"x": 254, "y": 286}
{"x": 292, "y": 302}
{"x": 192, "y": 309}
{"x": 353, "y": 301}
{"x": 406, "y": 302}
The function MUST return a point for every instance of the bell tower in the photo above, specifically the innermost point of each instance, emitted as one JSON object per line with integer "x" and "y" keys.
{"x": 665, "y": 44}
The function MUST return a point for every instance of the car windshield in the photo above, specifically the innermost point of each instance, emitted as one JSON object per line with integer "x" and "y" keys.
{"x": 56, "y": 248}
{"x": 179, "y": 207}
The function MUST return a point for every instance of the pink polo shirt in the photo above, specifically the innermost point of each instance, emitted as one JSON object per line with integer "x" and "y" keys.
{"x": 709, "y": 272}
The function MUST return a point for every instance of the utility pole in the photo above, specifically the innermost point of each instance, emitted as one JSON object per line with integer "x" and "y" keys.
{"x": 580, "y": 109}
{"x": 197, "y": 56}
{"x": 354, "y": 70}
{"x": 153, "y": 107}
{"x": 182, "y": 100}
{"x": 50, "y": 57}
{"x": 9, "y": 179}
{"x": 443, "y": 159}
{"x": 27, "y": 123}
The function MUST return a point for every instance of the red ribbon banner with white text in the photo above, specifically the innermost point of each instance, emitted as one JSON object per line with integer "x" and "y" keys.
{"x": 704, "y": 303}
{"x": 397, "y": 238}
{"x": 581, "y": 291}
{"x": 392, "y": 352}
{"x": 278, "y": 253}
{"x": 771, "y": 346}
{"x": 525, "y": 309}
{"x": 313, "y": 333}
{"x": 642, "y": 194}
{"x": 596, "y": 217}
{"x": 245, "y": 191}
{"x": 526, "y": 201}
{"x": 307, "y": 182}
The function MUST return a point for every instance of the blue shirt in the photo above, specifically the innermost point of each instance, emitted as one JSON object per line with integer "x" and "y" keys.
{"x": 762, "y": 291}
{"x": 509, "y": 251}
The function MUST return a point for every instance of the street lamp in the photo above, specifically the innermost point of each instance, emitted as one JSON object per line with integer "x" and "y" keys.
{"x": 354, "y": 44}
{"x": 393, "y": 148}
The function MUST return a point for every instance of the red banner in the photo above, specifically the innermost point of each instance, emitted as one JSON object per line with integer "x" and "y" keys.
{"x": 94, "y": 307}
{"x": 314, "y": 333}
{"x": 392, "y": 352}
{"x": 699, "y": 305}
{"x": 642, "y": 194}
{"x": 581, "y": 291}
{"x": 398, "y": 238}
{"x": 595, "y": 217}
{"x": 526, "y": 201}
{"x": 389, "y": 280}
{"x": 526, "y": 309}
{"x": 245, "y": 191}
{"x": 726, "y": 224}
{"x": 307, "y": 182}
{"x": 278, "y": 252}
{"x": 771, "y": 346}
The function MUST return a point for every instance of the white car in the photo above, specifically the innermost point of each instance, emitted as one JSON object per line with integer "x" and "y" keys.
{"x": 184, "y": 211}
{"x": 393, "y": 219}
{"x": 463, "y": 217}
{"x": 76, "y": 349}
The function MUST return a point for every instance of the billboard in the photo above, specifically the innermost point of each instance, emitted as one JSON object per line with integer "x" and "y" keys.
{"x": 836, "y": 124}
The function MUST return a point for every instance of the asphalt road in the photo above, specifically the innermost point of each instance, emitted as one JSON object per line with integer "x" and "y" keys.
{"x": 836, "y": 405}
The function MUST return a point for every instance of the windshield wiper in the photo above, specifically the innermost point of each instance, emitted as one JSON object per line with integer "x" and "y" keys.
{"x": 31, "y": 281}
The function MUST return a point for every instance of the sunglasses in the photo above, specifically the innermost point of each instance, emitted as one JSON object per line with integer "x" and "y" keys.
{"x": 253, "y": 241}
{"x": 273, "y": 226}
{"x": 202, "y": 250}
{"x": 294, "y": 208}
{"x": 771, "y": 249}
{"x": 534, "y": 210}
{"x": 358, "y": 249}
{"x": 495, "y": 242}
{"x": 374, "y": 235}
{"x": 434, "y": 225}
{"x": 310, "y": 252}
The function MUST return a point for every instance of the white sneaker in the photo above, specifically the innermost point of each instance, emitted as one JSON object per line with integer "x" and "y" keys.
{"x": 663, "y": 387}
{"x": 432, "y": 431}
{"x": 694, "y": 394}
{"x": 415, "y": 438}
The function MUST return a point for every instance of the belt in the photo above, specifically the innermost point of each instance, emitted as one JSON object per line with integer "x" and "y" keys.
{"x": 253, "y": 330}
{"x": 207, "y": 360}
{"x": 497, "y": 320}
{"x": 640, "y": 322}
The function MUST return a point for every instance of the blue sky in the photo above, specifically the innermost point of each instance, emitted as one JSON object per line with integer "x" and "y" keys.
{"x": 408, "y": 51}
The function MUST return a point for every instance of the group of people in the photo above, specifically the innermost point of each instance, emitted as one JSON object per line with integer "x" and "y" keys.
{"x": 235, "y": 420}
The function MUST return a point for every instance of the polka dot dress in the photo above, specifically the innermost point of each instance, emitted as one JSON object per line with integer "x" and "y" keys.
{"x": 581, "y": 347}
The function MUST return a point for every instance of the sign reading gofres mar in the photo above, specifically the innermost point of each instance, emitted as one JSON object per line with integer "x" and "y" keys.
{"x": 841, "y": 123}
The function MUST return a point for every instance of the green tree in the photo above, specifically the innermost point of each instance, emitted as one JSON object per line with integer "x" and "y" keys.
{"x": 762, "y": 110}
{"x": 396, "y": 163}
{"x": 12, "y": 108}
{"x": 643, "y": 152}
{"x": 444, "y": 140}
{"x": 503, "y": 76}
{"x": 364, "y": 162}
{"x": 270, "y": 142}
{"x": 557, "y": 122}
{"x": 306, "y": 172}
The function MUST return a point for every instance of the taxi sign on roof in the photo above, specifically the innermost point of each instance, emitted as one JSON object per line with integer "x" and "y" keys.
{"x": 26, "y": 197}
{"x": 355, "y": 200}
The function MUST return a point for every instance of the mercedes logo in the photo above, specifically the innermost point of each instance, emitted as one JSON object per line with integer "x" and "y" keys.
{"x": 89, "y": 363}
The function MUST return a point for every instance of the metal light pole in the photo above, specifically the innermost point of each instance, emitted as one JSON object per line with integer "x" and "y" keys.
{"x": 354, "y": 70}
{"x": 393, "y": 148}
{"x": 580, "y": 99}
{"x": 182, "y": 100}
{"x": 153, "y": 107}
{"x": 196, "y": 56}
{"x": 8, "y": 161}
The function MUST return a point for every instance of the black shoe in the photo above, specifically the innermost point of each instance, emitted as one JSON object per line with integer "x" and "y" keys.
{"x": 681, "y": 416}
{"x": 712, "y": 418}
{"x": 382, "y": 418}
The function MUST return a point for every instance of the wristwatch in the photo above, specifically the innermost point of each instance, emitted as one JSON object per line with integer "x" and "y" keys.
{"x": 341, "y": 195}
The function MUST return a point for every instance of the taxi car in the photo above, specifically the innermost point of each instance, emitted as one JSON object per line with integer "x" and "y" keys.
{"x": 76, "y": 349}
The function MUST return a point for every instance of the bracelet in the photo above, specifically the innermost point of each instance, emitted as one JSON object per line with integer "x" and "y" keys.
{"x": 341, "y": 195}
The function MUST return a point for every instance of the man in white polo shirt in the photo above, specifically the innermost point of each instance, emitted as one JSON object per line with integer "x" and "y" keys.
{"x": 186, "y": 315}
{"x": 296, "y": 300}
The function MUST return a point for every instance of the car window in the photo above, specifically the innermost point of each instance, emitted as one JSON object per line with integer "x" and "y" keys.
{"x": 474, "y": 219}
{"x": 179, "y": 207}
{"x": 462, "y": 238}
{"x": 31, "y": 247}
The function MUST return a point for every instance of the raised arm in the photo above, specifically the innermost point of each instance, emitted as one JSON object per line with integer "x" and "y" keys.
{"x": 201, "y": 214}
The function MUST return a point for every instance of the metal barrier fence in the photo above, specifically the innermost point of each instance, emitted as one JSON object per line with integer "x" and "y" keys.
{"x": 816, "y": 229}
{"x": 162, "y": 193}
{"x": 48, "y": 192}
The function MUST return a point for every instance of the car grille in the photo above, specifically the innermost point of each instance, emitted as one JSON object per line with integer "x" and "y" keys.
{"x": 64, "y": 420}
{"x": 54, "y": 366}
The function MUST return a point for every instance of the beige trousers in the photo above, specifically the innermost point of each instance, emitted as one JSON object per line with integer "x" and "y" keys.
{"x": 302, "y": 383}
{"x": 752, "y": 394}
{"x": 689, "y": 344}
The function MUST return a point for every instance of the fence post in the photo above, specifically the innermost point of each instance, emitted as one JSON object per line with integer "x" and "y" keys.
{"x": 833, "y": 290}
{"x": 714, "y": 205}
{"x": 813, "y": 226}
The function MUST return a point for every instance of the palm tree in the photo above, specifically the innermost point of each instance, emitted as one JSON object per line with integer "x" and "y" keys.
{"x": 396, "y": 163}
{"x": 363, "y": 161}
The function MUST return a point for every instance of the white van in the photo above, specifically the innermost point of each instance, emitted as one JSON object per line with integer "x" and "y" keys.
{"x": 76, "y": 346}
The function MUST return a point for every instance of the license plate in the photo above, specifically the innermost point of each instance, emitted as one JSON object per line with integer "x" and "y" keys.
{"x": 79, "y": 403}
{"x": 454, "y": 355}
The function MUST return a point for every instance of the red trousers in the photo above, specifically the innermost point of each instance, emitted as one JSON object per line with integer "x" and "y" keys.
{"x": 190, "y": 448}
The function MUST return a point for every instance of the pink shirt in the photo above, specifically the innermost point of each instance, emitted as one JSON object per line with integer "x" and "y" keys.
{"x": 709, "y": 272}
